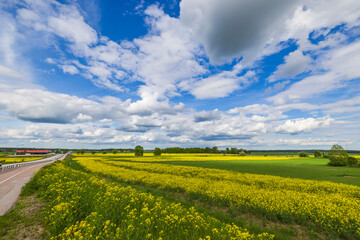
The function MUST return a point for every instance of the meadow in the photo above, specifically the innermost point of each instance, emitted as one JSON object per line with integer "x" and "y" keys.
{"x": 198, "y": 196}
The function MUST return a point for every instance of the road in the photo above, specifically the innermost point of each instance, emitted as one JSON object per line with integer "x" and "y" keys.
{"x": 12, "y": 181}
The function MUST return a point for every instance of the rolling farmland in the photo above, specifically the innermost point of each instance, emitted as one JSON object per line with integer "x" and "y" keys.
{"x": 119, "y": 196}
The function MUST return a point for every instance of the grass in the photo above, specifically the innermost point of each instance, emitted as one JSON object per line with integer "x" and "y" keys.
{"x": 25, "y": 220}
{"x": 304, "y": 168}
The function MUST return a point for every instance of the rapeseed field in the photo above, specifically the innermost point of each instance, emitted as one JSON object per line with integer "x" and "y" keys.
{"x": 331, "y": 206}
{"x": 83, "y": 206}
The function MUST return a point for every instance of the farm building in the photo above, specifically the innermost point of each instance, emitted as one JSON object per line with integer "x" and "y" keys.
{"x": 29, "y": 152}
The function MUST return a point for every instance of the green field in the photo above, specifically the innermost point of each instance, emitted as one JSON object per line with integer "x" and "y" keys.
{"x": 304, "y": 168}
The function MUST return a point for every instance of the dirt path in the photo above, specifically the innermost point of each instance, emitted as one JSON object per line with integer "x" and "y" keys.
{"x": 11, "y": 183}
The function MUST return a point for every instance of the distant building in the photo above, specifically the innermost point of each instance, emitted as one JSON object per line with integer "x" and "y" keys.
{"x": 29, "y": 152}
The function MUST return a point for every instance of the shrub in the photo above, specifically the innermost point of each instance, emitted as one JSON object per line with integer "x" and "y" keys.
{"x": 139, "y": 150}
{"x": 352, "y": 161}
{"x": 114, "y": 151}
{"x": 104, "y": 152}
{"x": 242, "y": 153}
{"x": 317, "y": 153}
{"x": 338, "y": 156}
{"x": 157, "y": 152}
{"x": 93, "y": 152}
{"x": 303, "y": 154}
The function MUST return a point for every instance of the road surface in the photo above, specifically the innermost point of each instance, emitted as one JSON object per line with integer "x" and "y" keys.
{"x": 12, "y": 181}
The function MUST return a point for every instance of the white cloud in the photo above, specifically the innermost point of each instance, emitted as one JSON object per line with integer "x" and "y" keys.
{"x": 82, "y": 118}
{"x": 295, "y": 63}
{"x": 70, "y": 69}
{"x": 9, "y": 72}
{"x": 342, "y": 64}
{"x": 8, "y": 35}
{"x": 220, "y": 85}
{"x": 72, "y": 27}
{"x": 303, "y": 125}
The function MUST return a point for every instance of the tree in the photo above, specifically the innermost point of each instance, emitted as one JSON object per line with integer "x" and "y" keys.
{"x": 139, "y": 150}
{"x": 303, "y": 154}
{"x": 215, "y": 150}
{"x": 114, "y": 151}
{"x": 338, "y": 156}
{"x": 317, "y": 153}
{"x": 234, "y": 151}
{"x": 227, "y": 151}
{"x": 93, "y": 152}
{"x": 104, "y": 152}
{"x": 207, "y": 150}
{"x": 157, "y": 152}
{"x": 82, "y": 151}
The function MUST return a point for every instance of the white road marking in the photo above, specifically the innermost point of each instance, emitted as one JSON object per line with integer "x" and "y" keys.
{"x": 16, "y": 174}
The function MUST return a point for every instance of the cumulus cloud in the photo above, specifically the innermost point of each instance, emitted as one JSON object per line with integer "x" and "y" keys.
{"x": 303, "y": 125}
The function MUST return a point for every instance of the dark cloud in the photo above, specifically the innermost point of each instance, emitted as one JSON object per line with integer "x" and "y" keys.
{"x": 204, "y": 116}
{"x": 231, "y": 28}
{"x": 225, "y": 137}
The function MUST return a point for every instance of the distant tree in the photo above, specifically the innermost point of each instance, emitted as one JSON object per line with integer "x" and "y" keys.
{"x": 207, "y": 150}
{"x": 228, "y": 151}
{"x": 215, "y": 150}
{"x": 93, "y": 152}
{"x": 82, "y": 151}
{"x": 338, "y": 156}
{"x": 78, "y": 151}
{"x": 114, "y": 151}
{"x": 139, "y": 150}
{"x": 234, "y": 151}
{"x": 104, "y": 152}
{"x": 157, "y": 152}
{"x": 317, "y": 153}
{"x": 303, "y": 154}
{"x": 57, "y": 151}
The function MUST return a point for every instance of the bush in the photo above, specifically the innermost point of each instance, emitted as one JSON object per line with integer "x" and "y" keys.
{"x": 114, "y": 151}
{"x": 352, "y": 161}
{"x": 93, "y": 152}
{"x": 338, "y": 156}
{"x": 157, "y": 152}
{"x": 139, "y": 151}
{"x": 104, "y": 152}
{"x": 303, "y": 154}
{"x": 242, "y": 153}
{"x": 317, "y": 153}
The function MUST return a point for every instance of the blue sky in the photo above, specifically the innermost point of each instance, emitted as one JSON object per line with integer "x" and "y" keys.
{"x": 253, "y": 74}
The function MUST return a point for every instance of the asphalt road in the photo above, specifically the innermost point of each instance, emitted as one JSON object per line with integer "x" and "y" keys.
{"x": 11, "y": 183}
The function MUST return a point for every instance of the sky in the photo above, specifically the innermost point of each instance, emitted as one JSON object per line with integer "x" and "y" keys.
{"x": 253, "y": 74}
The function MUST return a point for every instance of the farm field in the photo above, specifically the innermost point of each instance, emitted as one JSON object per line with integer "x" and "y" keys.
{"x": 196, "y": 196}
{"x": 10, "y": 160}
{"x": 305, "y": 168}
